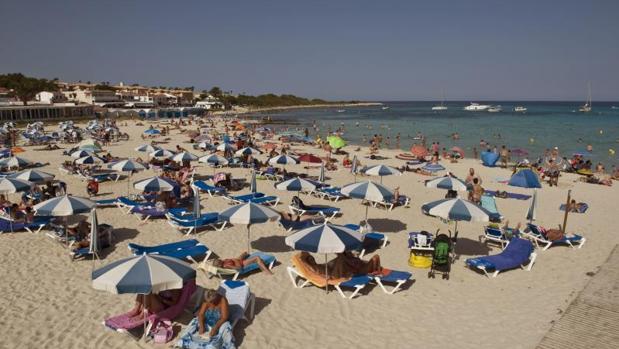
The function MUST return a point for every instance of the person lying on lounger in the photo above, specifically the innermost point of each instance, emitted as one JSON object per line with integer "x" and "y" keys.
{"x": 240, "y": 262}
{"x": 155, "y": 302}
{"x": 346, "y": 265}
{"x": 293, "y": 217}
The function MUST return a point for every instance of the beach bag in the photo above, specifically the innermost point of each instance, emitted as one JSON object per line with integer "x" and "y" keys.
{"x": 420, "y": 261}
{"x": 163, "y": 331}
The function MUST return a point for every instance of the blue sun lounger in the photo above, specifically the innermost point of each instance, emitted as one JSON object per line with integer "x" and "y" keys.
{"x": 211, "y": 190}
{"x": 329, "y": 193}
{"x": 297, "y": 225}
{"x": 127, "y": 204}
{"x": 268, "y": 260}
{"x": 517, "y": 253}
{"x": 206, "y": 220}
{"x": 106, "y": 203}
{"x": 240, "y": 199}
{"x": 186, "y": 249}
{"x": 327, "y": 212}
{"x": 536, "y": 234}
{"x": 393, "y": 277}
{"x": 147, "y": 213}
{"x": 8, "y": 226}
{"x": 372, "y": 238}
{"x": 497, "y": 235}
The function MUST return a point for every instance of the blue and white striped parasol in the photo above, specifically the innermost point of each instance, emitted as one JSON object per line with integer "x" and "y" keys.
{"x": 145, "y": 274}
{"x": 81, "y": 153}
{"x": 532, "y": 212}
{"x": 14, "y": 162}
{"x": 433, "y": 167}
{"x": 456, "y": 210}
{"x": 253, "y": 185}
{"x": 184, "y": 156}
{"x": 214, "y": 160}
{"x": 89, "y": 160}
{"x": 321, "y": 176}
{"x": 247, "y": 151}
{"x": 127, "y": 166}
{"x": 248, "y": 214}
{"x": 381, "y": 170}
{"x": 34, "y": 176}
{"x": 325, "y": 238}
{"x": 283, "y": 159}
{"x": 448, "y": 183}
{"x": 155, "y": 184}
{"x": 13, "y": 185}
{"x": 225, "y": 147}
{"x": 162, "y": 154}
{"x": 296, "y": 184}
{"x": 152, "y": 131}
{"x": 147, "y": 148}
{"x": 369, "y": 191}
{"x": 62, "y": 206}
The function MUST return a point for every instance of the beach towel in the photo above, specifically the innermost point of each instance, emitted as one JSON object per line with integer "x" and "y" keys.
{"x": 582, "y": 207}
{"x": 316, "y": 278}
{"x": 190, "y": 339}
{"x": 489, "y": 204}
{"x": 509, "y": 195}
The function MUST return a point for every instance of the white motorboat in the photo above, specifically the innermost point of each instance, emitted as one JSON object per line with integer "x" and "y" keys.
{"x": 385, "y": 108}
{"x": 476, "y": 107}
{"x": 495, "y": 109}
{"x": 341, "y": 110}
{"x": 520, "y": 109}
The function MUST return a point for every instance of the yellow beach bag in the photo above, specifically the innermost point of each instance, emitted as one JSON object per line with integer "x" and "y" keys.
{"x": 420, "y": 261}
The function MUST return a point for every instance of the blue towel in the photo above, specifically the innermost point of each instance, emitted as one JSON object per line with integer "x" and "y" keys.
{"x": 509, "y": 195}
{"x": 582, "y": 207}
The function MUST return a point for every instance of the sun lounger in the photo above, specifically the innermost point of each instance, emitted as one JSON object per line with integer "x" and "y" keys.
{"x": 498, "y": 235}
{"x": 206, "y": 220}
{"x": 403, "y": 200}
{"x": 582, "y": 208}
{"x": 7, "y": 226}
{"x": 270, "y": 174}
{"x": 106, "y": 203}
{"x": 327, "y": 212}
{"x": 300, "y": 270}
{"x": 240, "y": 199}
{"x": 517, "y": 253}
{"x": 268, "y": 260}
{"x": 211, "y": 190}
{"x": 124, "y": 322}
{"x": 369, "y": 239}
{"x": 536, "y": 234}
{"x": 147, "y": 213}
{"x": 126, "y": 204}
{"x": 329, "y": 193}
{"x": 392, "y": 277}
{"x": 105, "y": 240}
{"x": 187, "y": 250}
{"x": 298, "y": 225}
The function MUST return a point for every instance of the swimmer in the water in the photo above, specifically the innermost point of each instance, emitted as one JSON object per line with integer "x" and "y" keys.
{"x": 589, "y": 148}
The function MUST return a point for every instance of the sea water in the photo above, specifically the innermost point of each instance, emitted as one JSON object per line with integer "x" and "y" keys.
{"x": 544, "y": 125}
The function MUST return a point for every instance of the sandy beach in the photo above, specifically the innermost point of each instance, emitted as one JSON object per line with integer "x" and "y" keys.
{"x": 48, "y": 300}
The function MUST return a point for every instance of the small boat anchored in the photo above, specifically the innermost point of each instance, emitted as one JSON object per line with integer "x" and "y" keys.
{"x": 520, "y": 109}
{"x": 495, "y": 109}
{"x": 587, "y": 106}
{"x": 476, "y": 107}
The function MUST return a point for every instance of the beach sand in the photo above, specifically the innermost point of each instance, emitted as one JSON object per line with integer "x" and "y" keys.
{"x": 47, "y": 299}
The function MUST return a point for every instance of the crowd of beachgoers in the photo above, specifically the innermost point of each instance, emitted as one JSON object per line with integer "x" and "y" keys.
{"x": 373, "y": 209}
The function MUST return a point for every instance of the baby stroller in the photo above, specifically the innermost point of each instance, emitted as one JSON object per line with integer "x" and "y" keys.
{"x": 441, "y": 257}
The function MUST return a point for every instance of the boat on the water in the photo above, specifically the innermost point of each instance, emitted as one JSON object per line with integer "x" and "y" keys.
{"x": 520, "y": 109}
{"x": 476, "y": 107}
{"x": 495, "y": 109}
{"x": 385, "y": 108}
{"x": 341, "y": 110}
{"x": 587, "y": 106}
{"x": 441, "y": 106}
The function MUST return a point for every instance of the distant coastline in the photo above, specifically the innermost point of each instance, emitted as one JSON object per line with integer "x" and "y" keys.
{"x": 250, "y": 110}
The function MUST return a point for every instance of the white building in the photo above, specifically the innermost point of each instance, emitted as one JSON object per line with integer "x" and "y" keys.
{"x": 102, "y": 98}
{"x": 209, "y": 103}
{"x": 50, "y": 97}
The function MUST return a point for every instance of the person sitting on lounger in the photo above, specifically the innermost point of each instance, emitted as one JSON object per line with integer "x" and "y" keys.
{"x": 240, "y": 262}
{"x": 155, "y": 302}
{"x": 347, "y": 265}
{"x": 211, "y": 328}
{"x": 477, "y": 191}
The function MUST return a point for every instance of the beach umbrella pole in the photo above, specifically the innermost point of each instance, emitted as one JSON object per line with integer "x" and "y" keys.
{"x": 248, "y": 244}
{"x": 567, "y": 211}
{"x": 326, "y": 275}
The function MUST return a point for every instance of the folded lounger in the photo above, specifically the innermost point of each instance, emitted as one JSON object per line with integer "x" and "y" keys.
{"x": 582, "y": 207}
{"x": 537, "y": 235}
{"x": 517, "y": 253}
{"x": 124, "y": 322}
{"x": 392, "y": 277}
{"x": 187, "y": 250}
{"x": 299, "y": 269}
{"x": 211, "y": 190}
{"x": 206, "y": 220}
{"x": 7, "y": 226}
{"x": 267, "y": 259}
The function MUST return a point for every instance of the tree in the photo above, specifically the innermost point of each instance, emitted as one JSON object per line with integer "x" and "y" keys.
{"x": 24, "y": 87}
{"x": 104, "y": 87}
{"x": 215, "y": 92}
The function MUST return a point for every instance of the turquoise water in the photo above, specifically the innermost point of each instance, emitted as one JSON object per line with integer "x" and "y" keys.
{"x": 544, "y": 125}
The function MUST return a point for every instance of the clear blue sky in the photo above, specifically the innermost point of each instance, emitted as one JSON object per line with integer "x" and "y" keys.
{"x": 380, "y": 50}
